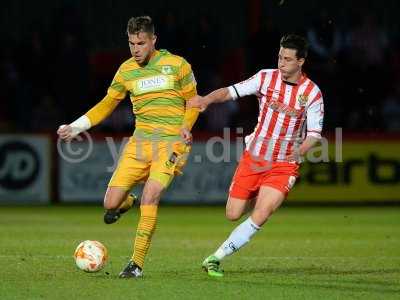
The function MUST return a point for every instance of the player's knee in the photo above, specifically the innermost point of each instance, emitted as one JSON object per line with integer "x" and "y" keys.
{"x": 112, "y": 201}
{"x": 148, "y": 200}
{"x": 152, "y": 193}
{"x": 232, "y": 215}
{"x": 150, "y": 197}
{"x": 108, "y": 204}
{"x": 114, "y": 197}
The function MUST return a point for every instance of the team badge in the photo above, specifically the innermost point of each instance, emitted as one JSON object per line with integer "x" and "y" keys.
{"x": 166, "y": 70}
{"x": 302, "y": 99}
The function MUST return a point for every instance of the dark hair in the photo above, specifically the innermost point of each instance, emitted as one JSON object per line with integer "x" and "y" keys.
{"x": 295, "y": 42}
{"x": 140, "y": 24}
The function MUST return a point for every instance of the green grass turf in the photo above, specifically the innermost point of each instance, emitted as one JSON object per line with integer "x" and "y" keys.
{"x": 301, "y": 253}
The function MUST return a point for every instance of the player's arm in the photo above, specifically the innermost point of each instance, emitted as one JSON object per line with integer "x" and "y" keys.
{"x": 307, "y": 144}
{"x": 93, "y": 117}
{"x": 188, "y": 84}
{"x": 116, "y": 92}
{"x": 233, "y": 92}
{"x": 218, "y": 96}
{"x": 315, "y": 119}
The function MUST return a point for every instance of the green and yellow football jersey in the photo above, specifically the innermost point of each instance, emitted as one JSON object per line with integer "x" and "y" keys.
{"x": 158, "y": 92}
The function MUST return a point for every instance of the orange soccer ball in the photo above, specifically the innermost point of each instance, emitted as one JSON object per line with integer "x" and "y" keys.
{"x": 90, "y": 256}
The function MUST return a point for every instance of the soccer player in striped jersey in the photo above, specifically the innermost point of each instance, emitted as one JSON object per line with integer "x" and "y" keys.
{"x": 159, "y": 84}
{"x": 289, "y": 124}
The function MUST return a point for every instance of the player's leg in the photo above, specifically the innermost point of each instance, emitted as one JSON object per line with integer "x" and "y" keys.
{"x": 273, "y": 191}
{"x": 112, "y": 200}
{"x": 268, "y": 201}
{"x": 241, "y": 198}
{"x": 114, "y": 196}
{"x": 147, "y": 224}
{"x": 148, "y": 218}
{"x": 237, "y": 207}
{"x": 151, "y": 195}
{"x": 243, "y": 190}
{"x": 128, "y": 173}
{"x": 163, "y": 168}
{"x": 275, "y": 186}
{"x": 117, "y": 201}
{"x": 127, "y": 203}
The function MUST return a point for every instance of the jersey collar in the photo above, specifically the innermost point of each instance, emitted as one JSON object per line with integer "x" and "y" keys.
{"x": 300, "y": 81}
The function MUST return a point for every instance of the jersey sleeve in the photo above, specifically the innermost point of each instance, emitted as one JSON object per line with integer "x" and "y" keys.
{"x": 247, "y": 87}
{"x": 117, "y": 89}
{"x": 187, "y": 81}
{"x": 102, "y": 110}
{"x": 315, "y": 116}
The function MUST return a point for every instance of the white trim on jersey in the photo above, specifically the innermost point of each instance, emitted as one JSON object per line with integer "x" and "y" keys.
{"x": 315, "y": 117}
{"x": 233, "y": 92}
{"x": 251, "y": 86}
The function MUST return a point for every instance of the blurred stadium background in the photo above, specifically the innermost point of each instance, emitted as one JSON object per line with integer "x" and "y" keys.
{"x": 58, "y": 57}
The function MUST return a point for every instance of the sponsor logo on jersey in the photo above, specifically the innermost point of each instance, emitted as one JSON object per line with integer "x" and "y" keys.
{"x": 152, "y": 83}
{"x": 286, "y": 109}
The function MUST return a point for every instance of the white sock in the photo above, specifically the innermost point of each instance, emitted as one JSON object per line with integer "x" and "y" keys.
{"x": 239, "y": 237}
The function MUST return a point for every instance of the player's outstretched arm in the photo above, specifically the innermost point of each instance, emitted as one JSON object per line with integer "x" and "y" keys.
{"x": 307, "y": 144}
{"x": 217, "y": 96}
{"x": 304, "y": 147}
{"x": 93, "y": 117}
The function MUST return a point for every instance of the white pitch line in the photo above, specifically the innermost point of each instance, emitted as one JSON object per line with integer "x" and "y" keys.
{"x": 323, "y": 257}
{"x": 27, "y": 257}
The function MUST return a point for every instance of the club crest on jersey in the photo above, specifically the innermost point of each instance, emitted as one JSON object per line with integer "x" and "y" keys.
{"x": 166, "y": 70}
{"x": 302, "y": 99}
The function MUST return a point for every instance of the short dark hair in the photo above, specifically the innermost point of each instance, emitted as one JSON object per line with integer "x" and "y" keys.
{"x": 295, "y": 42}
{"x": 140, "y": 24}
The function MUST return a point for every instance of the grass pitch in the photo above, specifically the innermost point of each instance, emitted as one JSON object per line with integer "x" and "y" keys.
{"x": 301, "y": 253}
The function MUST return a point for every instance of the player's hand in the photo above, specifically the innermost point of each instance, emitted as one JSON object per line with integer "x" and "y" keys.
{"x": 65, "y": 132}
{"x": 198, "y": 102}
{"x": 186, "y": 135}
{"x": 294, "y": 156}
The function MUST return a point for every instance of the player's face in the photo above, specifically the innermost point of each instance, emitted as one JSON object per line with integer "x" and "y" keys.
{"x": 288, "y": 63}
{"x": 141, "y": 46}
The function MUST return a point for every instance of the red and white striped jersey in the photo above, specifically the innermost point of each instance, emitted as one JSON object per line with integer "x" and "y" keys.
{"x": 288, "y": 113}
